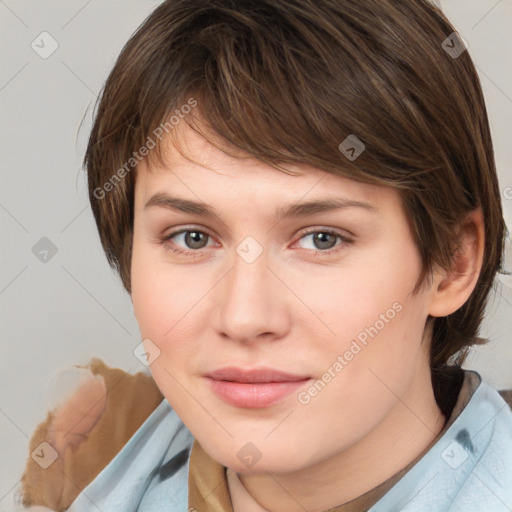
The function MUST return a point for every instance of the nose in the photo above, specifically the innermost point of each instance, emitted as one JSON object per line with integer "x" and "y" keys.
{"x": 252, "y": 302}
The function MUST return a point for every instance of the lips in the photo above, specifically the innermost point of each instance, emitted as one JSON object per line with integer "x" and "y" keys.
{"x": 257, "y": 375}
{"x": 255, "y": 388}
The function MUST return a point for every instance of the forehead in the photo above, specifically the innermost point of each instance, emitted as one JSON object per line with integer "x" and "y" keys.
{"x": 192, "y": 167}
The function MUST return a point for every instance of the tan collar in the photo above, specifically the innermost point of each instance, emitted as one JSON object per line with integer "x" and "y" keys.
{"x": 208, "y": 487}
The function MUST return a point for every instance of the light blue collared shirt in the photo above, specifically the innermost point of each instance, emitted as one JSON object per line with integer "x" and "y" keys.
{"x": 469, "y": 469}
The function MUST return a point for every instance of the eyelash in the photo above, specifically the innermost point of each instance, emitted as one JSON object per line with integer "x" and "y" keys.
{"x": 345, "y": 241}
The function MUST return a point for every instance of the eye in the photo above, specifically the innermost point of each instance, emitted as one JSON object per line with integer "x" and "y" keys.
{"x": 324, "y": 240}
{"x": 193, "y": 238}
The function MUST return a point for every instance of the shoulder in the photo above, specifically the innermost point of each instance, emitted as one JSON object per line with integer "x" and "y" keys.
{"x": 507, "y": 396}
{"x": 469, "y": 468}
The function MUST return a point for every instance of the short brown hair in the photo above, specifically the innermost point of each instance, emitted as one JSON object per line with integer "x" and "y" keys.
{"x": 286, "y": 81}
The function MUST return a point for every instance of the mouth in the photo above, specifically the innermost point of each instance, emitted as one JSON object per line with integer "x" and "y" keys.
{"x": 256, "y": 375}
{"x": 255, "y": 388}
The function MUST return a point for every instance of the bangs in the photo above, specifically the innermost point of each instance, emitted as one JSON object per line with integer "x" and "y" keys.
{"x": 288, "y": 86}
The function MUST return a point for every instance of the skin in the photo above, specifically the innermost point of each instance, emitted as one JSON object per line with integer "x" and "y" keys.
{"x": 293, "y": 311}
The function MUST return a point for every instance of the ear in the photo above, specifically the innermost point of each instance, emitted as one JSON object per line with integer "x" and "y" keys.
{"x": 452, "y": 288}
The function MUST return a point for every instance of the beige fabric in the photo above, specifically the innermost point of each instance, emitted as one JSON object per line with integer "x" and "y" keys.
{"x": 130, "y": 399}
{"x": 207, "y": 485}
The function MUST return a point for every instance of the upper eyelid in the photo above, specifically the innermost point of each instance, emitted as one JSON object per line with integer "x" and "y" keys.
{"x": 303, "y": 231}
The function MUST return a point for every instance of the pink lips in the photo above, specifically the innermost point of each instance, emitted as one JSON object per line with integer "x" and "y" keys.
{"x": 253, "y": 388}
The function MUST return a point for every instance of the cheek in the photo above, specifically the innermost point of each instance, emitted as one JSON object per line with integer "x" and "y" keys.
{"x": 375, "y": 320}
{"x": 369, "y": 297}
{"x": 169, "y": 303}
{"x": 155, "y": 301}
{"x": 163, "y": 308}
{"x": 370, "y": 362}
{"x": 391, "y": 354}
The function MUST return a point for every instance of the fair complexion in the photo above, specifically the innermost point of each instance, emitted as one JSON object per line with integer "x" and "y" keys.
{"x": 295, "y": 308}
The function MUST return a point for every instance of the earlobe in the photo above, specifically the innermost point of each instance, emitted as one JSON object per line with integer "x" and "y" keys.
{"x": 453, "y": 288}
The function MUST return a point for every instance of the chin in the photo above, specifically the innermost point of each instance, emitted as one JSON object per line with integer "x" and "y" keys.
{"x": 247, "y": 458}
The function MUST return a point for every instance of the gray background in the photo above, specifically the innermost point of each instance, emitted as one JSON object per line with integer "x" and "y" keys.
{"x": 63, "y": 311}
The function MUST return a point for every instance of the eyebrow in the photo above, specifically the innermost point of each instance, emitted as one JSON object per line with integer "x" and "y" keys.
{"x": 292, "y": 210}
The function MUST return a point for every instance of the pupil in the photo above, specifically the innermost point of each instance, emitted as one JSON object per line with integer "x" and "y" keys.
{"x": 321, "y": 238}
{"x": 194, "y": 236}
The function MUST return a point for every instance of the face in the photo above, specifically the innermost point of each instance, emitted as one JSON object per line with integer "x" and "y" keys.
{"x": 321, "y": 294}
